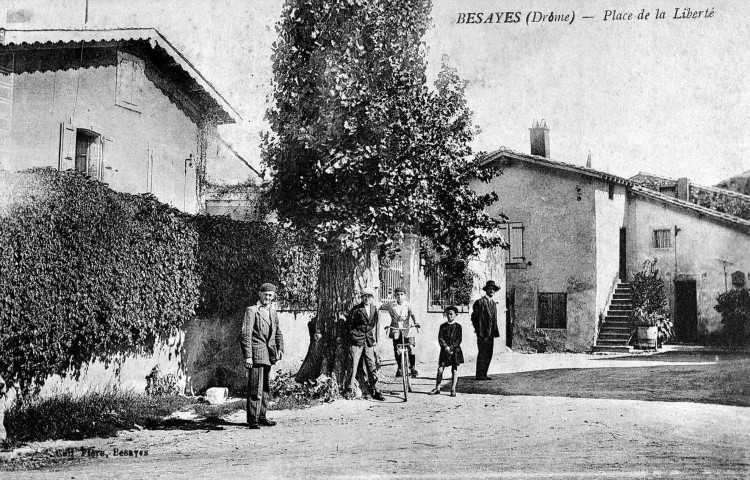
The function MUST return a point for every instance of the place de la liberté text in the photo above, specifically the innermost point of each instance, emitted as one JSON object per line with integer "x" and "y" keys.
{"x": 568, "y": 17}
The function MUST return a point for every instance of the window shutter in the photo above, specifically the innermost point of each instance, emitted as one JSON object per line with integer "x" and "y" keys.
{"x": 130, "y": 75}
{"x": 516, "y": 243}
{"x": 505, "y": 253}
{"x": 66, "y": 156}
{"x": 95, "y": 159}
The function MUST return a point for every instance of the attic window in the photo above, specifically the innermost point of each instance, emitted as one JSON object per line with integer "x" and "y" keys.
{"x": 130, "y": 76}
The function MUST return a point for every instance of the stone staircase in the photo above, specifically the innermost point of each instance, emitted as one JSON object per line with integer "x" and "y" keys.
{"x": 615, "y": 331}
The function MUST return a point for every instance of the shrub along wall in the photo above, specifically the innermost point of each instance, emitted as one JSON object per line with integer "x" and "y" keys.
{"x": 89, "y": 274}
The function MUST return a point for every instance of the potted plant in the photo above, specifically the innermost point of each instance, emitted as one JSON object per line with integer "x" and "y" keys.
{"x": 650, "y": 317}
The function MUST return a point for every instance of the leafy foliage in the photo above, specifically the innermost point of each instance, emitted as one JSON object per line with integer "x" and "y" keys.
{"x": 650, "y": 305}
{"x": 87, "y": 273}
{"x": 285, "y": 389}
{"x": 725, "y": 202}
{"x": 159, "y": 385}
{"x": 734, "y": 307}
{"x": 235, "y": 258}
{"x": 362, "y": 150}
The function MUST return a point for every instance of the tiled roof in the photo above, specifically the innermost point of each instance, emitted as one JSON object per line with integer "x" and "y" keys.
{"x": 744, "y": 225}
{"x": 709, "y": 212}
{"x": 155, "y": 39}
{"x": 534, "y": 159}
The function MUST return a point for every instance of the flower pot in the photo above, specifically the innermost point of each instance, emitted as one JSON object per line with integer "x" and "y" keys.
{"x": 647, "y": 337}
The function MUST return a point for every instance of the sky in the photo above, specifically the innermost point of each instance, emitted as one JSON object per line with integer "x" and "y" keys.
{"x": 668, "y": 96}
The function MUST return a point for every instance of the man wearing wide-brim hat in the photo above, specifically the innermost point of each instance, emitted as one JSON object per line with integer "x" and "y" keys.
{"x": 262, "y": 346}
{"x": 362, "y": 329}
{"x": 484, "y": 319}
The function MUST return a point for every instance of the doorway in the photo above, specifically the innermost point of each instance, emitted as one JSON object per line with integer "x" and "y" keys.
{"x": 510, "y": 316}
{"x": 685, "y": 311}
{"x": 623, "y": 258}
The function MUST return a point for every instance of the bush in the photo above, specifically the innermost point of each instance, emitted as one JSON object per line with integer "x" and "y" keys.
{"x": 86, "y": 273}
{"x": 235, "y": 258}
{"x": 94, "y": 414}
{"x": 734, "y": 307}
{"x": 159, "y": 385}
{"x": 650, "y": 305}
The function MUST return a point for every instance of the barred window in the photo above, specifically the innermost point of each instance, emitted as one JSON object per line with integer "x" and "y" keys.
{"x": 553, "y": 308}
{"x": 438, "y": 298}
{"x": 662, "y": 239}
{"x": 391, "y": 277}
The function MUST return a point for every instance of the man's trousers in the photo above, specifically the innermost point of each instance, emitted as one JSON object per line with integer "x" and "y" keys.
{"x": 485, "y": 347}
{"x": 258, "y": 389}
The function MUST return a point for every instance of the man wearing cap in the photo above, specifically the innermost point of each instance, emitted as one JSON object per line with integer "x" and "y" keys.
{"x": 484, "y": 319}
{"x": 362, "y": 328}
{"x": 262, "y": 346}
{"x": 403, "y": 317}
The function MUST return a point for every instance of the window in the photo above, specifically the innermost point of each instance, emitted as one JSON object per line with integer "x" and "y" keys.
{"x": 88, "y": 153}
{"x": 437, "y": 297}
{"x": 81, "y": 150}
{"x": 553, "y": 310}
{"x": 130, "y": 75}
{"x": 611, "y": 191}
{"x": 391, "y": 277}
{"x": 661, "y": 238}
{"x": 513, "y": 233}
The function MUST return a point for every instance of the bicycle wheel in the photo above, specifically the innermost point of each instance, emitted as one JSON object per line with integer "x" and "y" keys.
{"x": 405, "y": 376}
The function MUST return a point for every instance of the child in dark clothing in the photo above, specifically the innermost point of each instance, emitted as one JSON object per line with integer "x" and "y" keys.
{"x": 449, "y": 338}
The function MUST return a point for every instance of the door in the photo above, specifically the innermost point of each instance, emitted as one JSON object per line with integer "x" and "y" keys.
{"x": 623, "y": 259}
{"x": 510, "y": 314}
{"x": 685, "y": 311}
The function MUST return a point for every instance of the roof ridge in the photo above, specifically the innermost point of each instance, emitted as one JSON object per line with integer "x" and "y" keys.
{"x": 691, "y": 206}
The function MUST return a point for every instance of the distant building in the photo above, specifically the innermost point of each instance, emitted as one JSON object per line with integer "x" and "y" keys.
{"x": 121, "y": 105}
{"x": 575, "y": 233}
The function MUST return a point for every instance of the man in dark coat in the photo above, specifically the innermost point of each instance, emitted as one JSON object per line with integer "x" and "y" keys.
{"x": 262, "y": 346}
{"x": 362, "y": 327}
{"x": 484, "y": 319}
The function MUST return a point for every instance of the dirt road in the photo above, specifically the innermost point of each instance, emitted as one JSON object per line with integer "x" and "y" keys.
{"x": 542, "y": 416}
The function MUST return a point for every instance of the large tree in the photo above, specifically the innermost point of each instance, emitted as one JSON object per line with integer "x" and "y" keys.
{"x": 362, "y": 150}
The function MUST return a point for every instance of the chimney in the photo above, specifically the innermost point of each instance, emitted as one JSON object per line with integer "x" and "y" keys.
{"x": 683, "y": 189}
{"x": 588, "y": 161}
{"x": 540, "y": 139}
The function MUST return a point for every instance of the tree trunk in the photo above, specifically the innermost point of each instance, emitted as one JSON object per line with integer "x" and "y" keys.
{"x": 341, "y": 277}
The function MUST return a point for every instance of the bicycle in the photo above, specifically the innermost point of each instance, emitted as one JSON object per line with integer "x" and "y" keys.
{"x": 404, "y": 362}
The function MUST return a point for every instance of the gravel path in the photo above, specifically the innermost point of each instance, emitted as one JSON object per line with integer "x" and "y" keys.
{"x": 542, "y": 416}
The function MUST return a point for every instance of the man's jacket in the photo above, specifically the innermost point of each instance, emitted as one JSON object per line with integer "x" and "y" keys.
{"x": 261, "y": 338}
{"x": 363, "y": 328}
{"x": 484, "y": 318}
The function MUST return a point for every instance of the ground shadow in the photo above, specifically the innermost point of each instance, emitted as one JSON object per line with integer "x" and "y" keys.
{"x": 726, "y": 382}
{"x": 209, "y": 423}
{"x": 680, "y": 356}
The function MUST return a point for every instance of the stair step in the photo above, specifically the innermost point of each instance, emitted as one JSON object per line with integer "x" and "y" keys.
{"x": 622, "y": 301}
{"x": 620, "y": 336}
{"x": 609, "y": 342}
{"x": 613, "y": 349}
{"x": 618, "y": 296}
{"x": 614, "y": 330}
{"x": 620, "y": 308}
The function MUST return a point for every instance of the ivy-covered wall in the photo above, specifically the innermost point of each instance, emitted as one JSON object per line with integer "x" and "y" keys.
{"x": 89, "y": 274}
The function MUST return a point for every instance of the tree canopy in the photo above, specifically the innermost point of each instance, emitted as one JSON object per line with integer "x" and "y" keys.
{"x": 362, "y": 149}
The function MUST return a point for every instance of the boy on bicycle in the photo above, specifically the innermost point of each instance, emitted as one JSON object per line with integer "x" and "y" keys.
{"x": 400, "y": 312}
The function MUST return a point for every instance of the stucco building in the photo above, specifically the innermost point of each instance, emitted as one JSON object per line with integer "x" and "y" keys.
{"x": 576, "y": 233}
{"x": 121, "y": 105}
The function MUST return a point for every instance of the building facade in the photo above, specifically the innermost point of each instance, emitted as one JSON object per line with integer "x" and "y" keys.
{"x": 576, "y": 232}
{"x": 123, "y": 106}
